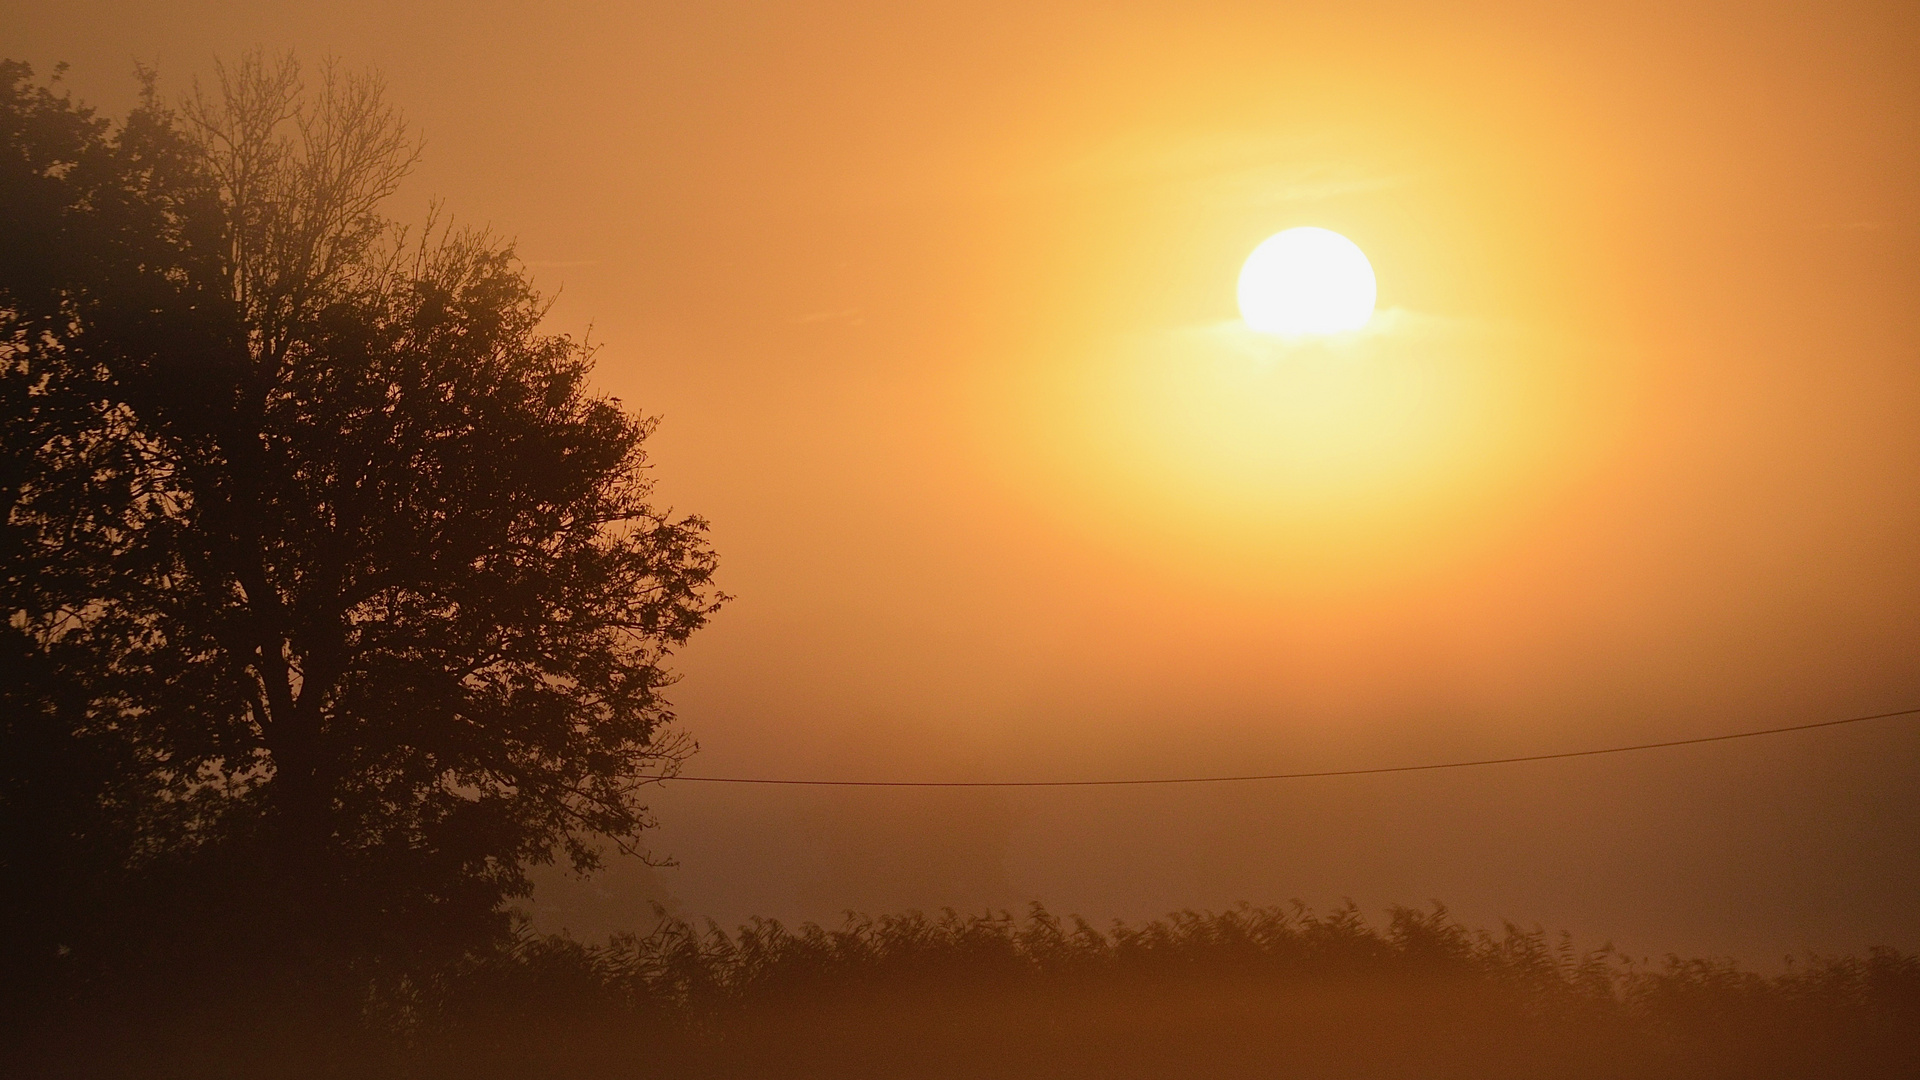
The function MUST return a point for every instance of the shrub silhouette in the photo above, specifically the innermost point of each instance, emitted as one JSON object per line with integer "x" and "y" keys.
{"x": 1248, "y": 991}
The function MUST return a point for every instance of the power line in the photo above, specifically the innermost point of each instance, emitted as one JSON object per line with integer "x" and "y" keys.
{"x": 1299, "y": 775}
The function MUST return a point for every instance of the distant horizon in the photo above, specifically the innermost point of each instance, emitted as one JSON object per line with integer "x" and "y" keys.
{"x": 934, "y": 311}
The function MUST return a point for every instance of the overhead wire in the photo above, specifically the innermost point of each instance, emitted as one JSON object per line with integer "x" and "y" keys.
{"x": 1316, "y": 774}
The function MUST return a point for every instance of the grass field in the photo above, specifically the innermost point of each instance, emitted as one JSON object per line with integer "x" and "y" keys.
{"x": 1252, "y": 992}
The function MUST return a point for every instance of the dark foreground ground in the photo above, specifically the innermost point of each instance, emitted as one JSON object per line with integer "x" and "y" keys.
{"x": 1248, "y": 993}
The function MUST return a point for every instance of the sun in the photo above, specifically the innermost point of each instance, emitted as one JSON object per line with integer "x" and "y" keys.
{"x": 1306, "y": 280}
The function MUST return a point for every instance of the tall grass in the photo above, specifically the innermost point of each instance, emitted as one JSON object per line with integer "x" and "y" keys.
{"x": 1254, "y": 991}
{"x": 1250, "y": 992}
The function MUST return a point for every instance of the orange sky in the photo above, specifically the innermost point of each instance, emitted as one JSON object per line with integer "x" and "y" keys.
{"x": 936, "y": 301}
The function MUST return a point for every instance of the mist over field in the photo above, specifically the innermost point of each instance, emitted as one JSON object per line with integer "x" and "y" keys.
{"x": 841, "y": 539}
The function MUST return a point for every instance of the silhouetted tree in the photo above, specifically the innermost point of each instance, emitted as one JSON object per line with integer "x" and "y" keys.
{"x": 328, "y": 578}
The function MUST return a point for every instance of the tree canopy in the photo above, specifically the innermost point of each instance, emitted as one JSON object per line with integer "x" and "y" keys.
{"x": 325, "y": 566}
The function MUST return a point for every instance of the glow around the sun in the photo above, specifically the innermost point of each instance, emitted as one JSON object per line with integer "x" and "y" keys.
{"x": 1306, "y": 280}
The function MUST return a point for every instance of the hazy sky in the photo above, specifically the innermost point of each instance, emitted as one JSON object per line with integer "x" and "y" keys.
{"x": 936, "y": 304}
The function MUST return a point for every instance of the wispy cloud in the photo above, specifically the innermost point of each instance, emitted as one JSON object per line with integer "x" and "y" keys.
{"x": 1249, "y": 168}
{"x": 850, "y": 315}
{"x": 1869, "y": 225}
{"x": 1229, "y": 167}
{"x": 1393, "y": 322}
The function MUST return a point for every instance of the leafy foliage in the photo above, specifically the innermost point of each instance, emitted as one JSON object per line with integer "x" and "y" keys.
{"x": 335, "y": 595}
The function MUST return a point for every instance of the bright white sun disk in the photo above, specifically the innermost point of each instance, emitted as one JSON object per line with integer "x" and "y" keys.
{"x": 1307, "y": 281}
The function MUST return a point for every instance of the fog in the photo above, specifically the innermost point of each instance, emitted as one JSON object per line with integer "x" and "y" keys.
{"x": 922, "y": 297}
